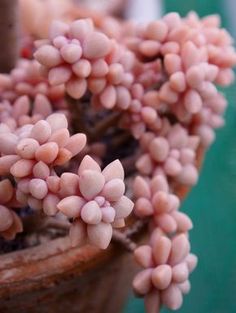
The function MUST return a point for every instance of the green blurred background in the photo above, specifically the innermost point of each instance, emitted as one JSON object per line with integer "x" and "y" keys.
{"x": 212, "y": 203}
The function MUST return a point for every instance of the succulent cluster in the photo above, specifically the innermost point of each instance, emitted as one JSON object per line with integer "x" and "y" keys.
{"x": 172, "y": 153}
{"x": 165, "y": 275}
{"x": 10, "y": 223}
{"x": 160, "y": 80}
{"x": 98, "y": 202}
{"x": 92, "y": 198}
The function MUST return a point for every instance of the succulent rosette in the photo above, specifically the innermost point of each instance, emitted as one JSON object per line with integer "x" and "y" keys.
{"x": 99, "y": 204}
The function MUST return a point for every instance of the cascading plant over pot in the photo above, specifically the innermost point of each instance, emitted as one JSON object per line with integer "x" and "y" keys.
{"x": 101, "y": 122}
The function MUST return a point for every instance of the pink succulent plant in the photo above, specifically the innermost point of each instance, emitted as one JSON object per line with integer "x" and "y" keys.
{"x": 30, "y": 153}
{"x": 98, "y": 203}
{"x": 10, "y": 223}
{"x": 144, "y": 94}
{"x": 172, "y": 153}
{"x": 73, "y": 54}
{"x": 26, "y": 80}
{"x": 153, "y": 198}
{"x": 166, "y": 265}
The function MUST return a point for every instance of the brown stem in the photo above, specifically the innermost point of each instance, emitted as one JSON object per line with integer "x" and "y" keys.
{"x": 107, "y": 122}
{"x": 58, "y": 224}
{"x": 122, "y": 237}
{"x": 123, "y": 240}
{"x": 120, "y": 140}
{"x": 78, "y": 121}
{"x": 77, "y": 116}
{"x": 136, "y": 227}
{"x": 9, "y": 33}
{"x": 36, "y": 223}
{"x": 129, "y": 164}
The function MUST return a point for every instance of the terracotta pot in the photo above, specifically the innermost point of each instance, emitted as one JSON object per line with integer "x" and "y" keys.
{"x": 9, "y": 33}
{"x": 54, "y": 277}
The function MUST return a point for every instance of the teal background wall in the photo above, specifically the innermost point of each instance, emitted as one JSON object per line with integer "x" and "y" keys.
{"x": 212, "y": 203}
